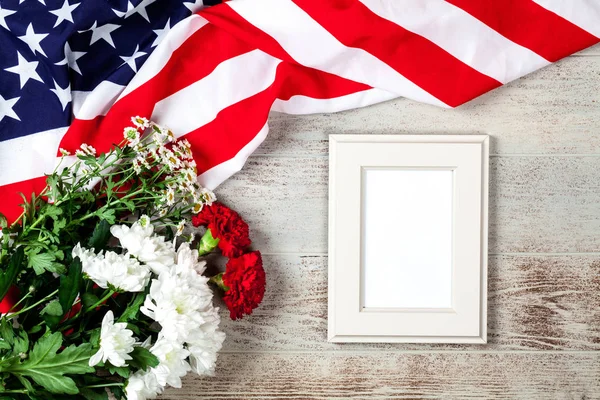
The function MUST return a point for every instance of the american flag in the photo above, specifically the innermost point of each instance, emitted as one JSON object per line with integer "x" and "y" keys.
{"x": 73, "y": 73}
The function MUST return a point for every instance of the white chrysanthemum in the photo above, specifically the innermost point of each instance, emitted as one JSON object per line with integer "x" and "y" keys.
{"x": 118, "y": 270}
{"x": 142, "y": 386}
{"x": 116, "y": 342}
{"x": 173, "y": 365}
{"x": 139, "y": 241}
{"x": 85, "y": 255}
{"x": 204, "y": 344}
{"x": 187, "y": 260}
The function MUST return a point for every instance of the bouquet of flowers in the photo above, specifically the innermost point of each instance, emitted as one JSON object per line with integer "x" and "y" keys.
{"x": 104, "y": 292}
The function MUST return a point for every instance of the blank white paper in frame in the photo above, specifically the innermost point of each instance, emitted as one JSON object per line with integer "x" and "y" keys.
{"x": 409, "y": 211}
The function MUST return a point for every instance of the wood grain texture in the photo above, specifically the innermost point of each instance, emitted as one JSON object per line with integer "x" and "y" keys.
{"x": 389, "y": 375}
{"x": 551, "y": 111}
{"x": 537, "y": 204}
{"x": 544, "y": 303}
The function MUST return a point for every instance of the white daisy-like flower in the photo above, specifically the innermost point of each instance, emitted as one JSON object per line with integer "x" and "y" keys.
{"x": 169, "y": 158}
{"x": 140, "y": 122}
{"x": 197, "y": 207}
{"x": 116, "y": 342}
{"x": 88, "y": 150}
{"x": 180, "y": 228}
{"x": 137, "y": 165}
{"x": 207, "y": 196}
{"x": 172, "y": 362}
{"x": 64, "y": 152}
{"x": 142, "y": 385}
{"x": 117, "y": 270}
{"x": 169, "y": 196}
{"x": 132, "y": 135}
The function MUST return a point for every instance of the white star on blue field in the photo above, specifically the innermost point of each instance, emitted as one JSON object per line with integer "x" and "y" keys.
{"x": 50, "y": 48}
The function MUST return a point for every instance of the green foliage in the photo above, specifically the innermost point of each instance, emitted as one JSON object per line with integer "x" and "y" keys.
{"x": 53, "y": 308}
{"x": 8, "y": 276}
{"x": 142, "y": 358}
{"x": 70, "y": 285}
{"x": 100, "y": 236}
{"x": 48, "y": 368}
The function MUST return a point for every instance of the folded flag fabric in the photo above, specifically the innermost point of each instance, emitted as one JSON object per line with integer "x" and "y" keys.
{"x": 73, "y": 73}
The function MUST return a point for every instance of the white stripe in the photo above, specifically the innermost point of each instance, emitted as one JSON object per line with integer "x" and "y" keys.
{"x": 308, "y": 105}
{"x": 583, "y": 13}
{"x": 312, "y": 45}
{"x": 30, "y": 156}
{"x": 219, "y": 173}
{"x": 163, "y": 52}
{"x": 462, "y": 35}
{"x": 231, "y": 81}
{"x": 89, "y": 105}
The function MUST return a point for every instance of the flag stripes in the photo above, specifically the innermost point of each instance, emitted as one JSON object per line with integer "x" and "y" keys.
{"x": 217, "y": 74}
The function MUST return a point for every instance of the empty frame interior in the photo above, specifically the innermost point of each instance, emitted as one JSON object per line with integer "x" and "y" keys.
{"x": 407, "y": 238}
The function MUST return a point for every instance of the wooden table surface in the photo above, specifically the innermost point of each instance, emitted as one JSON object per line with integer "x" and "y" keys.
{"x": 544, "y": 255}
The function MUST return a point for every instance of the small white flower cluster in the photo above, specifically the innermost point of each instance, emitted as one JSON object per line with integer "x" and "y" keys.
{"x": 159, "y": 148}
{"x": 179, "y": 299}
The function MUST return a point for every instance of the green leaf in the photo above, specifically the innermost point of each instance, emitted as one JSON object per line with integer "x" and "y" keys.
{"x": 8, "y": 276}
{"x": 21, "y": 344}
{"x": 99, "y": 394}
{"x": 53, "y": 308}
{"x": 6, "y": 331}
{"x": 100, "y": 236}
{"x": 70, "y": 285}
{"x": 88, "y": 300}
{"x": 133, "y": 308}
{"x": 41, "y": 262}
{"x": 142, "y": 358}
{"x": 3, "y": 221}
{"x": 48, "y": 369}
{"x": 121, "y": 371}
{"x": 26, "y": 384}
{"x": 106, "y": 214}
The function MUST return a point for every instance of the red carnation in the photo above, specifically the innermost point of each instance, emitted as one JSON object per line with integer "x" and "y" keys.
{"x": 244, "y": 281}
{"x": 226, "y": 229}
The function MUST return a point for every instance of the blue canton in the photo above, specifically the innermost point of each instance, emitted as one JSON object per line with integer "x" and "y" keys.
{"x": 49, "y": 48}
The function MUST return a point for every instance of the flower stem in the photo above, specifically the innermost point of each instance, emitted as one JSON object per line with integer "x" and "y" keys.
{"x": 35, "y": 304}
{"x": 207, "y": 244}
{"x": 218, "y": 280}
{"x": 101, "y": 301}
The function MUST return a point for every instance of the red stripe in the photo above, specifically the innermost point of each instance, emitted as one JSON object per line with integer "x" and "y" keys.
{"x": 196, "y": 58}
{"x": 10, "y": 198}
{"x": 416, "y": 58}
{"x": 301, "y": 80}
{"x": 222, "y": 138}
{"x": 530, "y": 25}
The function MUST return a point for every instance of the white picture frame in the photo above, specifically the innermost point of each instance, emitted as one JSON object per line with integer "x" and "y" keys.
{"x": 408, "y": 238}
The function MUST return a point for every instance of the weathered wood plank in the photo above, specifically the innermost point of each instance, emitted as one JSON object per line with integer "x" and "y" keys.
{"x": 553, "y": 110}
{"x": 542, "y": 303}
{"x": 389, "y": 375}
{"x": 537, "y": 204}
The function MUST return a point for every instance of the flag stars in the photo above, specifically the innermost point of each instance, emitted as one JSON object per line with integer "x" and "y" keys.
{"x": 194, "y": 6}
{"x": 71, "y": 58}
{"x": 161, "y": 33}
{"x": 25, "y": 69}
{"x": 41, "y": 1}
{"x": 33, "y": 40}
{"x": 64, "y": 95}
{"x": 65, "y": 13}
{"x": 6, "y": 108}
{"x": 3, "y": 14}
{"x": 130, "y": 60}
{"x": 139, "y": 9}
{"x": 103, "y": 32}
